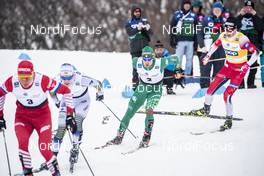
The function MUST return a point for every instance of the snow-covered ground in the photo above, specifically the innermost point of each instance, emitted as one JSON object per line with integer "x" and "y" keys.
{"x": 173, "y": 151}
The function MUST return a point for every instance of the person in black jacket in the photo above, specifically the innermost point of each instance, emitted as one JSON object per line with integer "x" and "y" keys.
{"x": 197, "y": 8}
{"x": 250, "y": 24}
{"x": 139, "y": 34}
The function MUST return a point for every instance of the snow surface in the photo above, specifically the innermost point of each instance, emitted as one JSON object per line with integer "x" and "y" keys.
{"x": 173, "y": 151}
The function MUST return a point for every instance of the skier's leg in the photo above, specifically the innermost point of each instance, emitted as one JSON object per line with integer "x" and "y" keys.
{"x": 219, "y": 80}
{"x": 58, "y": 138}
{"x": 228, "y": 98}
{"x": 236, "y": 80}
{"x": 81, "y": 109}
{"x": 153, "y": 99}
{"x": 43, "y": 127}
{"x": 229, "y": 107}
{"x": 135, "y": 102}
{"x": 23, "y": 131}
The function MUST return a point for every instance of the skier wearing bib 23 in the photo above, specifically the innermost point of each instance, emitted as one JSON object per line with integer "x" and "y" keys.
{"x": 33, "y": 113}
{"x": 236, "y": 46}
{"x": 150, "y": 71}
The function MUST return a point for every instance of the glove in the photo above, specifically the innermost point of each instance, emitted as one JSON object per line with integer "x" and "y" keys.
{"x": 99, "y": 96}
{"x": 206, "y": 58}
{"x": 2, "y": 123}
{"x": 139, "y": 26}
{"x": 179, "y": 80}
{"x": 147, "y": 27}
{"x": 203, "y": 50}
{"x": 57, "y": 104}
{"x": 178, "y": 75}
{"x": 244, "y": 68}
{"x": 70, "y": 122}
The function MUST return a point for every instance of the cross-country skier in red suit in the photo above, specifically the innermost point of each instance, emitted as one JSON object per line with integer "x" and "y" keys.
{"x": 32, "y": 113}
{"x": 236, "y": 46}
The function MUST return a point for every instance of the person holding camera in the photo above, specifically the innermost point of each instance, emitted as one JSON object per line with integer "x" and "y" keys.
{"x": 250, "y": 24}
{"x": 139, "y": 32}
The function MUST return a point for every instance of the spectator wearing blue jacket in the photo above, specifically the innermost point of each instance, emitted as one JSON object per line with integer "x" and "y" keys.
{"x": 183, "y": 35}
{"x": 169, "y": 71}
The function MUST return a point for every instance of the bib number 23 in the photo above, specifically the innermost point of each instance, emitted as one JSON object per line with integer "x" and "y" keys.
{"x": 29, "y": 101}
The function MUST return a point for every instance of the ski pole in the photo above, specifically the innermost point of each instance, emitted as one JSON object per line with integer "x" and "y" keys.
{"x": 119, "y": 119}
{"x": 214, "y": 60}
{"x": 256, "y": 67}
{"x": 189, "y": 76}
{"x": 7, "y": 156}
{"x": 81, "y": 153}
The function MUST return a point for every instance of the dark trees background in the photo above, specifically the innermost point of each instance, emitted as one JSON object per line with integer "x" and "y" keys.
{"x": 17, "y": 17}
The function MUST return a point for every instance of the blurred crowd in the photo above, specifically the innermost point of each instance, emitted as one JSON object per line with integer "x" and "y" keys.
{"x": 192, "y": 33}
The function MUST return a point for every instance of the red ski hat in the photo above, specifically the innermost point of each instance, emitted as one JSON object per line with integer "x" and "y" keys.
{"x": 25, "y": 69}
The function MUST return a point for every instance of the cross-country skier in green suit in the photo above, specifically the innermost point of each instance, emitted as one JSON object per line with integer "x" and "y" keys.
{"x": 150, "y": 71}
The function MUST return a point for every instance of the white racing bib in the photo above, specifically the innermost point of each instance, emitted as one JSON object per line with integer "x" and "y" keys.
{"x": 151, "y": 76}
{"x": 76, "y": 86}
{"x": 32, "y": 97}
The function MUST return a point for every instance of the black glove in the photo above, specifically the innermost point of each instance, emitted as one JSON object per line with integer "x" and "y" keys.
{"x": 57, "y": 104}
{"x": 2, "y": 123}
{"x": 70, "y": 122}
{"x": 99, "y": 96}
{"x": 179, "y": 81}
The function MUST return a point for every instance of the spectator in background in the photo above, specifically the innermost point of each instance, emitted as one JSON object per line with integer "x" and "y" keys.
{"x": 225, "y": 14}
{"x": 169, "y": 71}
{"x": 197, "y": 7}
{"x": 139, "y": 34}
{"x": 250, "y": 25}
{"x": 210, "y": 30}
{"x": 182, "y": 35}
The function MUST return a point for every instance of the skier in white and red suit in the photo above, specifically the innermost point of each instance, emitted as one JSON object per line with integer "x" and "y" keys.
{"x": 33, "y": 113}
